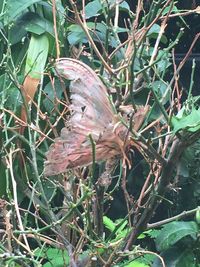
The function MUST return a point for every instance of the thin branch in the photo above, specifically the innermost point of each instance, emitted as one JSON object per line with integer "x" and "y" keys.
{"x": 15, "y": 198}
{"x": 55, "y": 28}
{"x": 171, "y": 219}
{"x": 83, "y": 25}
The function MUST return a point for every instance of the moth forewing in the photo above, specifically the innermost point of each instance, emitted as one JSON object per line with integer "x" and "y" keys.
{"x": 92, "y": 114}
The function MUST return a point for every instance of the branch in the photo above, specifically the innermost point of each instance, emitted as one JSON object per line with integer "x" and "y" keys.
{"x": 177, "y": 148}
{"x": 83, "y": 25}
{"x": 174, "y": 218}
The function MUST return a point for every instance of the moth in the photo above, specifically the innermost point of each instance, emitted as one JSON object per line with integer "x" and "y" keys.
{"x": 92, "y": 118}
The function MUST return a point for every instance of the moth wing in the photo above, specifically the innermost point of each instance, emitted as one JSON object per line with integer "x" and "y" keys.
{"x": 91, "y": 114}
{"x": 140, "y": 116}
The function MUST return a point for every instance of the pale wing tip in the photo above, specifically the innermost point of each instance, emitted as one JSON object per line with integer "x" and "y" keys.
{"x": 51, "y": 169}
{"x": 48, "y": 169}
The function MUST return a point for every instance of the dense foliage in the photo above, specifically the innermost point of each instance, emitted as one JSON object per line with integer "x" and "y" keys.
{"x": 142, "y": 213}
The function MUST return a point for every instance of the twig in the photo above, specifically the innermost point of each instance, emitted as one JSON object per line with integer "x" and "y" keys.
{"x": 161, "y": 32}
{"x": 14, "y": 185}
{"x": 155, "y": 254}
{"x": 83, "y": 25}
{"x": 171, "y": 219}
{"x": 180, "y": 66}
{"x": 55, "y": 29}
{"x": 184, "y": 13}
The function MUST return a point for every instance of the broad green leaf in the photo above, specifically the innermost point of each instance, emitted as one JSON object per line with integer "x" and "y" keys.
{"x": 15, "y": 8}
{"x": 174, "y": 9}
{"x": 17, "y": 32}
{"x": 52, "y": 94}
{"x": 13, "y": 98}
{"x": 76, "y": 37}
{"x": 154, "y": 31}
{"x": 173, "y": 232}
{"x": 136, "y": 264}
{"x": 10, "y": 96}
{"x": 92, "y": 9}
{"x": 76, "y": 34}
{"x": 30, "y": 22}
{"x": 55, "y": 257}
{"x": 164, "y": 61}
{"x": 176, "y": 257}
{"x": 189, "y": 122}
{"x": 155, "y": 112}
{"x": 124, "y": 6}
{"x": 101, "y": 29}
{"x": 37, "y": 56}
{"x": 160, "y": 87}
{"x": 34, "y": 23}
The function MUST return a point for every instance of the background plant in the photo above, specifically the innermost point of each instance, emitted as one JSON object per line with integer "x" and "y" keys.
{"x": 56, "y": 221}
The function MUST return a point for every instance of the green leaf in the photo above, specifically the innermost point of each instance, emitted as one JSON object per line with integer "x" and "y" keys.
{"x": 56, "y": 257}
{"x": 76, "y": 34}
{"x": 164, "y": 61}
{"x": 121, "y": 234}
{"x": 176, "y": 257}
{"x": 112, "y": 4}
{"x": 121, "y": 227}
{"x": 92, "y": 9}
{"x": 189, "y": 122}
{"x": 10, "y": 95}
{"x": 174, "y": 9}
{"x": 17, "y": 32}
{"x": 16, "y": 8}
{"x": 160, "y": 87}
{"x": 136, "y": 264}
{"x": 173, "y": 232}
{"x": 34, "y": 23}
{"x": 154, "y": 31}
{"x": 124, "y": 6}
{"x": 151, "y": 233}
{"x": 30, "y": 22}
{"x": 101, "y": 29}
{"x": 37, "y": 55}
{"x": 52, "y": 94}
{"x": 109, "y": 224}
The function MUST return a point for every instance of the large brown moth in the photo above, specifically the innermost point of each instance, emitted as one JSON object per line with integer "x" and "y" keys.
{"x": 92, "y": 115}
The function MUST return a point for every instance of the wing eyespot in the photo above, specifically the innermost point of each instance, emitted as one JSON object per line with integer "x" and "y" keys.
{"x": 83, "y": 108}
